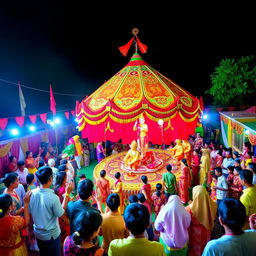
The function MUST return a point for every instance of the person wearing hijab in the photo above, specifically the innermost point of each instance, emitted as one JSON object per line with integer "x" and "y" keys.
{"x": 203, "y": 211}
{"x": 173, "y": 222}
{"x": 204, "y": 166}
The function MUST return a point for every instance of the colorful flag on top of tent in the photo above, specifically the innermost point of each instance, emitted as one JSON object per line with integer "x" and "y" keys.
{"x": 52, "y": 101}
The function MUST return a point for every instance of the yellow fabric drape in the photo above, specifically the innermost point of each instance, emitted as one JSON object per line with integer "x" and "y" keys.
{"x": 5, "y": 149}
{"x": 229, "y": 133}
{"x": 24, "y": 145}
{"x": 202, "y": 207}
{"x": 252, "y": 139}
{"x": 44, "y": 137}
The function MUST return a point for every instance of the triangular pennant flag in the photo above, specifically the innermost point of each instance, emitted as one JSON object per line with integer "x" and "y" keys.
{"x": 52, "y": 101}
{"x": 73, "y": 112}
{"x": 33, "y": 119}
{"x": 20, "y": 120}
{"x": 22, "y": 101}
{"x": 143, "y": 48}
{"x": 43, "y": 117}
{"x": 77, "y": 107}
{"x": 125, "y": 48}
{"x": 66, "y": 114}
{"x": 3, "y": 123}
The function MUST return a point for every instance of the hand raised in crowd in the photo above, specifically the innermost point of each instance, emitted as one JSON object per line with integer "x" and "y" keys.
{"x": 252, "y": 221}
{"x": 69, "y": 187}
{"x": 27, "y": 197}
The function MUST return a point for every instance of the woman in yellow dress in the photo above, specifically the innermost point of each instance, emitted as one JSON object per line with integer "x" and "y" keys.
{"x": 204, "y": 166}
{"x": 118, "y": 189}
{"x": 31, "y": 163}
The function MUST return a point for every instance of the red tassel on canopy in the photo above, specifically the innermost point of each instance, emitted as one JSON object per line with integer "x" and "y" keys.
{"x": 143, "y": 48}
{"x": 125, "y": 48}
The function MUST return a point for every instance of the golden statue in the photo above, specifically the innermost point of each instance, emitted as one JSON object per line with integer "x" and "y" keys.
{"x": 187, "y": 151}
{"x": 177, "y": 150}
{"x": 132, "y": 158}
{"x": 142, "y": 137}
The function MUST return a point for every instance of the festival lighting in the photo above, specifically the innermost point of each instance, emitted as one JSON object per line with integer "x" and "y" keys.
{"x": 160, "y": 122}
{"x": 14, "y": 132}
{"x": 57, "y": 120}
{"x": 205, "y": 116}
{"x": 32, "y": 128}
{"x": 247, "y": 132}
{"x": 50, "y": 122}
{"x": 76, "y": 120}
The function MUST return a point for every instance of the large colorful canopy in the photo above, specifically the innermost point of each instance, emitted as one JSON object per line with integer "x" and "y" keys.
{"x": 111, "y": 111}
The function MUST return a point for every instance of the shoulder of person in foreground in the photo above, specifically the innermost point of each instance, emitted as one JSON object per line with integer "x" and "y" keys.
{"x": 116, "y": 244}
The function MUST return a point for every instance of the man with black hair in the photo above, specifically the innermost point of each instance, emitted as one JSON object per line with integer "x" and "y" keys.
{"x": 235, "y": 242}
{"x": 113, "y": 222}
{"x": 136, "y": 217}
{"x": 45, "y": 208}
{"x": 248, "y": 198}
{"x": 252, "y": 167}
{"x": 85, "y": 190}
{"x": 169, "y": 182}
{"x": 133, "y": 199}
{"x": 222, "y": 185}
{"x": 22, "y": 173}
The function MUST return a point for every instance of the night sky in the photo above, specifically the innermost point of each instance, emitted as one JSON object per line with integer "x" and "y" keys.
{"x": 75, "y": 48}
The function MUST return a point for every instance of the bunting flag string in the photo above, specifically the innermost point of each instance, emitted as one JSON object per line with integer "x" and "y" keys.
{"x": 21, "y": 120}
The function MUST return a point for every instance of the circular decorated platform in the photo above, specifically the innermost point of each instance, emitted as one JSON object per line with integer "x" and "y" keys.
{"x": 131, "y": 180}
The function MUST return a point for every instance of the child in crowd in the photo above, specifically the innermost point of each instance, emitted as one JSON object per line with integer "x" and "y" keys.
{"x": 146, "y": 191}
{"x": 136, "y": 217}
{"x": 87, "y": 226}
{"x": 195, "y": 166}
{"x": 142, "y": 200}
{"x": 30, "y": 181}
{"x": 213, "y": 194}
{"x": 230, "y": 178}
{"x": 103, "y": 187}
{"x": 158, "y": 198}
{"x": 236, "y": 188}
{"x": 133, "y": 199}
{"x": 118, "y": 189}
{"x": 81, "y": 177}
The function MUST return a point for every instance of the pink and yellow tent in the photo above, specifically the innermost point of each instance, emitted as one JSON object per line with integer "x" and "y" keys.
{"x": 110, "y": 112}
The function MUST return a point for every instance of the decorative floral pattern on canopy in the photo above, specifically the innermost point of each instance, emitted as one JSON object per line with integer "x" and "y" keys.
{"x": 110, "y": 112}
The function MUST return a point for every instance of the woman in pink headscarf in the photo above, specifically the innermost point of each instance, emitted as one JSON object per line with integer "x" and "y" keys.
{"x": 173, "y": 222}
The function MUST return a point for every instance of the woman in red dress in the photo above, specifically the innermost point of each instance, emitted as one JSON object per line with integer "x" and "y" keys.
{"x": 11, "y": 242}
{"x": 195, "y": 166}
{"x": 203, "y": 211}
{"x": 184, "y": 182}
{"x": 103, "y": 186}
{"x": 60, "y": 189}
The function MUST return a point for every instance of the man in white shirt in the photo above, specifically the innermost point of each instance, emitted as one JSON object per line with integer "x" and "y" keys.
{"x": 222, "y": 185}
{"x": 235, "y": 242}
{"x": 227, "y": 161}
{"x": 22, "y": 173}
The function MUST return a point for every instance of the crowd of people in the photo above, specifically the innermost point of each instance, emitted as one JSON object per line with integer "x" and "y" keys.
{"x": 209, "y": 209}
